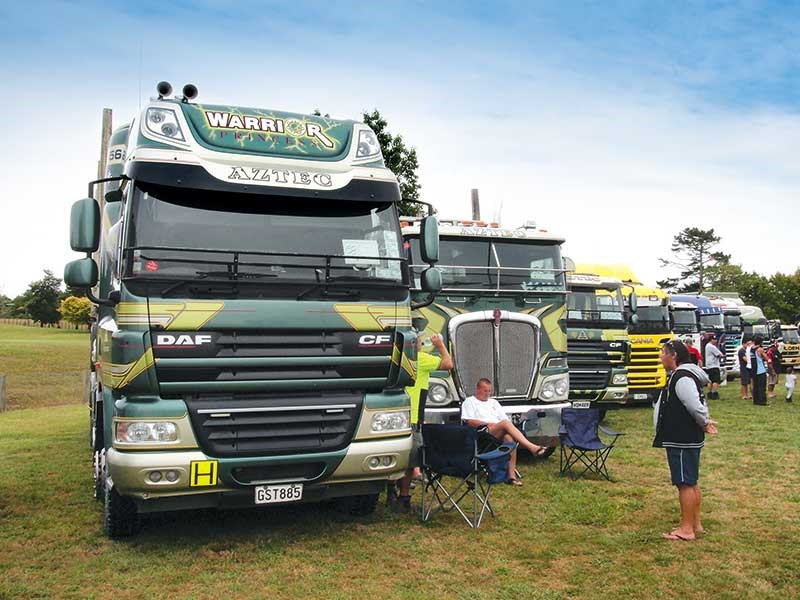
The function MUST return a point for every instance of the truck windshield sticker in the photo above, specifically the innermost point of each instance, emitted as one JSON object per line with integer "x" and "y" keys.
{"x": 368, "y": 248}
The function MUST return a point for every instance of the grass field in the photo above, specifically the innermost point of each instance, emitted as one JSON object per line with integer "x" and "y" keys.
{"x": 552, "y": 538}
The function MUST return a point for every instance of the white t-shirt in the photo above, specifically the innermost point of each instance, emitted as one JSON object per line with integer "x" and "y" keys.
{"x": 713, "y": 356}
{"x": 790, "y": 381}
{"x": 489, "y": 411}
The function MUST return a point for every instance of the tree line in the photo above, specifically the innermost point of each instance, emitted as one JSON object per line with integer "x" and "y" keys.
{"x": 701, "y": 267}
{"x": 45, "y": 303}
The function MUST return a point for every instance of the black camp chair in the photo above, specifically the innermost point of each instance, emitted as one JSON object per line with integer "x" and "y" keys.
{"x": 582, "y": 450}
{"x": 452, "y": 451}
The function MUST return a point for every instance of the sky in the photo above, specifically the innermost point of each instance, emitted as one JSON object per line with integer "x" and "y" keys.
{"x": 615, "y": 124}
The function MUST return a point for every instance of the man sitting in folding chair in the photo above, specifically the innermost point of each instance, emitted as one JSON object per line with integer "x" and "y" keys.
{"x": 481, "y": 410}
{"x": 452, "y": 451}
{"x": 582, "y": 450}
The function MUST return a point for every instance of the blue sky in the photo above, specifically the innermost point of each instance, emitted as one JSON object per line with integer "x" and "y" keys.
{"x": 614, "y": 123}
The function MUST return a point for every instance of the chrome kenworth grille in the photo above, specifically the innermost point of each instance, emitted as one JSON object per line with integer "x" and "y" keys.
{"x": 499, "y": 345}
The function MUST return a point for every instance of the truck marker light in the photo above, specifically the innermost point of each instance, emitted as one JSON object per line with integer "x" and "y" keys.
{"x": 151, "y": 265}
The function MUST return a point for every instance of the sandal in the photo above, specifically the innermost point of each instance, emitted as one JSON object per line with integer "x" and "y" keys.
{"x": 514, "y": 481}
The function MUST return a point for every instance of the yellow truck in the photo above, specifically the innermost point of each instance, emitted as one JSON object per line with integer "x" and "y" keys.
{"x": 646, "y": 375}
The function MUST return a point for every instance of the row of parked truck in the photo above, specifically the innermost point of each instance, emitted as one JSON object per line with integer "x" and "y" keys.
{"x": 256, "y": 290}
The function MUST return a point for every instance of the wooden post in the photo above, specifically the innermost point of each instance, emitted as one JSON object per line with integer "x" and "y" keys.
{"x": 476, "y": 206}
{"x": 2, "y": 393}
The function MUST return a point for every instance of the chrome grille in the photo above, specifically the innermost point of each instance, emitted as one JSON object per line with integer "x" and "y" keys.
{"x": 517, "y": 359}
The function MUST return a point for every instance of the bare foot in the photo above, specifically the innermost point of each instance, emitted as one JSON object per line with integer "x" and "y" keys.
{"x": 680, "y": 535}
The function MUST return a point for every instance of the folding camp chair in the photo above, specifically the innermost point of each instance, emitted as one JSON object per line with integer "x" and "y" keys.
{"x": 581, "y": 445}
{"x": 452, "y": 451}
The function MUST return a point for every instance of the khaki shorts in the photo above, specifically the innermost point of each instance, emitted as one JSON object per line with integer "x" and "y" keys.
{"x": 415, "y": 457}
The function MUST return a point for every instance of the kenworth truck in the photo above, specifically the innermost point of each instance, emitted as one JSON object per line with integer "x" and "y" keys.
{"x": 598, "y": 347}
{"x": 652, "y": 329}
{"x": 502, "y": 310}
{"x": 790, "y": 348}
{"x": 253, "y": 335}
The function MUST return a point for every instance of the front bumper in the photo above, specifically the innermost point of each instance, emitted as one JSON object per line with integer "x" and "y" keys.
{"x": 349, "y": 473}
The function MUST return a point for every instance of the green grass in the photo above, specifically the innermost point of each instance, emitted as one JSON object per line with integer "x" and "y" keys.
{"x": 43, "y": 365}
{"x": 552, "y": 539}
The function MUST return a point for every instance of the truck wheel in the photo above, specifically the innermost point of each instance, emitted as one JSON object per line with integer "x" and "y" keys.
{"x": 357, "y": 506}
{"x": 96, "y": 427}
{"x": 121, "y": 518}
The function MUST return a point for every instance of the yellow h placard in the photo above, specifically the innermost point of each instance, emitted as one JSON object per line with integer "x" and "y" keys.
{"x": 203, "y": 473}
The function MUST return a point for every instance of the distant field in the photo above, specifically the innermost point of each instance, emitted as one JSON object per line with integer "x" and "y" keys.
{"x": 552, "y": 538}
{"x": 44, "y": 366}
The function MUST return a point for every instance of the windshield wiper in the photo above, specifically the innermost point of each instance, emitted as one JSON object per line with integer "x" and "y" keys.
{"x": 203, "y": 277}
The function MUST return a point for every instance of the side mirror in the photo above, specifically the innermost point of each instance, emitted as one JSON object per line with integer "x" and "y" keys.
{"x": 634, "y": 319}
{"x": 81, "y": 273}
{"x": 429, "y": 240}
{"x": 113, "y": 195}
{"x": 431, "y": 280}
{"x": 633, "y": 302}
{"x": 84, "y": 226}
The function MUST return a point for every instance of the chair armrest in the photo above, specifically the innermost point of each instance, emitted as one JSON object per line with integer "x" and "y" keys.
{"x": 502, "y": 450}
{"x": 608, "y": 431}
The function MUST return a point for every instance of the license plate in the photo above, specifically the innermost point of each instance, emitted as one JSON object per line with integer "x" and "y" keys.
{"x": 581, "y": 404}
{"x": 640, "y": 396}
{"x": 274, "y": 494}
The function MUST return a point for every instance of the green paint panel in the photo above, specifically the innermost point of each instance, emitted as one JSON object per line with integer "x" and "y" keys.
{"x": 268, "y": 132}
{"x": 274, "y": 385}
{"x": 150, "y": 407}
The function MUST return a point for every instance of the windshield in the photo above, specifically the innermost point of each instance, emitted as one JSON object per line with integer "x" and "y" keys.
{"x": 595, "y": 305}
{"x": 733, "y": 324}
{"x": 755, "y": 329}
{"x": 472, "y": 263}
{"x": 685, "y": 321}
{"x": 708, "y": 322}
{"x": 790, "y": 336}
{"x": 652, "y": 319}
{"x": 177, "y": 233}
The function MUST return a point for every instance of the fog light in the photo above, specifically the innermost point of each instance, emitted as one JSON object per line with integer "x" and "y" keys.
{"x": 374, "y": 462}
{"x": 386, "y": 460}
{"x": 171, "y": 476}
{"x": 154, "y": 476}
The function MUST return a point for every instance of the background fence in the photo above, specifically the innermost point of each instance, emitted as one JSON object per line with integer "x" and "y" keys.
{"x": 30, "y": 323}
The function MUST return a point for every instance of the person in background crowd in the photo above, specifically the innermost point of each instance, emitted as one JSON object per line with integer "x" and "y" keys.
{"x": 743, "y": 356}
{"x": 791, "y": 379}
{"x": 418, "y": 393}
{"x": 759, "y": 366}
{"x": 695, "y": 356}
{"x": 774, "y": 369}
{"x": 681, "y": 420}
{"x": 713, "y": 362}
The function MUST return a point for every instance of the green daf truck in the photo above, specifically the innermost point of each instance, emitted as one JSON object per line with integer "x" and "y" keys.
{"x": 502, "y": 309}
{"x": 599, "y": 349}
{"x": 253, "y": 335}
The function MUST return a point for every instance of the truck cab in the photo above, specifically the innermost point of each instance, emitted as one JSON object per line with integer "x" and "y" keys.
{"x": 731, "y": 338}
{"x": 597, "y": 339}
{"x": 755, "y": 323}
{"x": 685, "y": 321}
{"x": 502, "y": 310}
{"x": 790, "y": 347}
{"x": 253, "y": 333}
{"x": 647, "y": 333}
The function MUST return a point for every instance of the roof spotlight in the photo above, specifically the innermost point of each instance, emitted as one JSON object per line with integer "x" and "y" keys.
{"x": 164, "y": 89}
{"x": 189, "y": 92}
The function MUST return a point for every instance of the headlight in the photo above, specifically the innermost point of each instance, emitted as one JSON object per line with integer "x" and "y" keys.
{"x": 548, "y": 390}
{"x": 562, "y": 387}
{"x": 135, "y": 432}
{"x": 163, "y": 123}
{"x": 620, "y": 379}
{"x": 391, "y": 421}
{"x": 557, "y": 363}
{"x": 438, "y": 394}
{"x": 367, "y": 144}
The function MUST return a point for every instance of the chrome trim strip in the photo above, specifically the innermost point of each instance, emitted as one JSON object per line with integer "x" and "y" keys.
{"x": 205, "y": 411}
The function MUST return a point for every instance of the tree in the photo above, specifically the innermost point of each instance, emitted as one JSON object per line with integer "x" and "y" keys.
{"x": 400, "y": 160}
{"x": 41, "y": 299}
{"x": 76, "y": 310}
{"x": 693, "y": 249}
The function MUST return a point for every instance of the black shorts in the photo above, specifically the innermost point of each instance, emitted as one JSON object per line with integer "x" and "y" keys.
{"x": 714, "y": 374}
{"x": 684, "y": 465}
{"x": 745, "y": 375}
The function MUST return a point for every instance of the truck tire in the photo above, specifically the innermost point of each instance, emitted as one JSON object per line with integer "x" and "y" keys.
{"x": 357, "y": 506}
{"x": 121, "y": 518}
{"x": 98, "y": 467}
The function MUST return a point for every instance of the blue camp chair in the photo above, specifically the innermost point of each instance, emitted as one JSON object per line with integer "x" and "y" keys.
{"x": 582, "y": 450}
{"x": 452, "y": 451}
